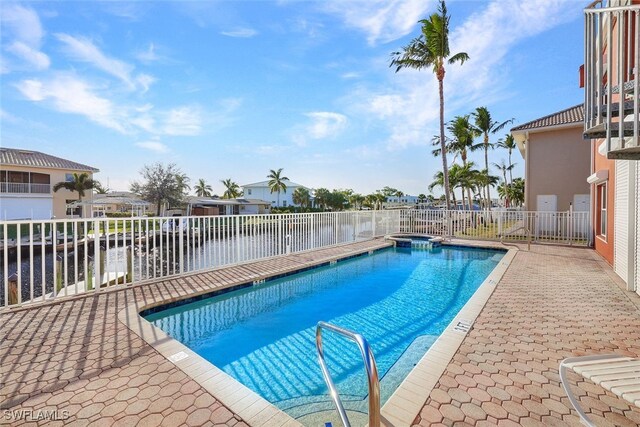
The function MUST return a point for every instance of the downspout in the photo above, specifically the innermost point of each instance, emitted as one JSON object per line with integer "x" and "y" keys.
{"x": 592, "y": 205}
{"x": 631, "y": 229}
{"x": 527, "y": 170}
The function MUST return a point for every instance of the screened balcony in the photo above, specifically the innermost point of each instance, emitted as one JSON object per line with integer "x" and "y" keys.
{"x": 14, "y": 182}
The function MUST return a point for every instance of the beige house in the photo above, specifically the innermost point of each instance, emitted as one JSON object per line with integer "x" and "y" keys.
{"x": 26, "y": 184}
{"x": 557, "y": 160}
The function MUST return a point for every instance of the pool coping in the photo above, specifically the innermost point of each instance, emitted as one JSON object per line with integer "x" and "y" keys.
{"x": 402, "y": 407}
{"x": 407, "y": 401}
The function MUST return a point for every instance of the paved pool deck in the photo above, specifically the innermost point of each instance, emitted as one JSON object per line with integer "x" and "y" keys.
{"x": 77, "y": 362}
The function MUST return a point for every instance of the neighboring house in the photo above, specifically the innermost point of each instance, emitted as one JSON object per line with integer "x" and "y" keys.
{"x": 611, "y": 78}
{"x": 261, "y": 191}
{"x": 557, "y": 160}
{"x": 240, "y": 206}
{"x": 26, "y": 184}
{"x": 397, "y": 201}
{"x": 121, "y": 202}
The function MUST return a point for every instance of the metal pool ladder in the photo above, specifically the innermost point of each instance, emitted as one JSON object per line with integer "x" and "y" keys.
{"x": 370, "y": 368}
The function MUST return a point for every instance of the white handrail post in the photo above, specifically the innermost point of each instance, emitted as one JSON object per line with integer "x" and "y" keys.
{"x": 280, "y": 234}
{"x": 96, "y": 256}
{"x": 373, "y": 224}
{"x": 181, "y": 246}
{"x": 238, "y": 246}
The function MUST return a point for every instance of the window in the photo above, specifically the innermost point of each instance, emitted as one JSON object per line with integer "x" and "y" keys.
{"x": 248, "y": 191}
{"x": 601, "y": 226}
{"x": 68, "y": 177}
{"x": 284, "y": 203}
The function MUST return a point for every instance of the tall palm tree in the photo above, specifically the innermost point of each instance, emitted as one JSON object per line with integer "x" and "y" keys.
{"x": 462, "y": 143}
{"x": 203, "y": 189}
{"x": 232, "y": 189}
{"x": 502, "y": 167}
{"x": 508, "y": 143}
{"x": 485, "y": 125}
{"x": 276, "y": 182}
{"x": 79, "y": 183}
{"x": 431, "y": 50}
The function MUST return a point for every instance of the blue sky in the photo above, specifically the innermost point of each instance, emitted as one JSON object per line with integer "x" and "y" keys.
{"x": 229, "y": 89}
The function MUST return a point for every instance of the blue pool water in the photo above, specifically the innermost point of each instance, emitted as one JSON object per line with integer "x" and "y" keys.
{"x": 264, "y": 335}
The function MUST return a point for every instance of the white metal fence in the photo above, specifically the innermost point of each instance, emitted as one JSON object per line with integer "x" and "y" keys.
{"x": 570, "y": 228}
{"x": 44, "y": 260}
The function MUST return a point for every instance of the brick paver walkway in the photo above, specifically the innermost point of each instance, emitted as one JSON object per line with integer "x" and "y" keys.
{"x": 552, "y": 303}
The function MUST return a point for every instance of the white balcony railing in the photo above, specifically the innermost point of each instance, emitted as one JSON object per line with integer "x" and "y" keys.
{"x": 24, "y": 187}
{"x": 612, "y": 76}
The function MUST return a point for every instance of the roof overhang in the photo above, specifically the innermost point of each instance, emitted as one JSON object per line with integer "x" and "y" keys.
{"x": 598, "y": 177}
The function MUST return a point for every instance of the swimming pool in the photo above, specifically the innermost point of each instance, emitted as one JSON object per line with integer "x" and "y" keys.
{"x": 263, "y": 335}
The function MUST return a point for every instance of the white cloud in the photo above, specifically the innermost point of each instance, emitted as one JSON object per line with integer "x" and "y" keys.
{"x": 240, "y": 32}
{"x": 380, "y": 20}
{"x": 183, "y": 121}
{"x": 69, "y": 94}
{"x": 149, "y": 55}
{"x": 145, "y": 81}
{"x": 322, "y": 125}
{"x": 22, "y": 25}
{"x": 350, "y": 75}
{"x": 153, "y": 145}
{"x": 409, "y": 102}
{"x": 83, "y": 49}
{"x": 37, "y": 59}
{"x": 325, "y": 124}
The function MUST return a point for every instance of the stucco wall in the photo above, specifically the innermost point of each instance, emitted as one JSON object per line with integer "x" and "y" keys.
{"x": 263, "y": 193}
{"x": 604, "y": 246}
{"x": 559, "y": 163}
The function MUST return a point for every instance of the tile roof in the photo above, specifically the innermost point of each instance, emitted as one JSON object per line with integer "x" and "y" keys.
{"x": 266, "y": 184}
{"x": 36, "y": 159}
{"x": 570, "y": 115}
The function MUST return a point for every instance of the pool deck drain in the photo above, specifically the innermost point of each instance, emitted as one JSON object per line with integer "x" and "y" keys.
{"x": 77, "y": 359}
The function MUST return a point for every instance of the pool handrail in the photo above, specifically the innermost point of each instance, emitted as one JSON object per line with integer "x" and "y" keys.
{"x": 370, "y": 368}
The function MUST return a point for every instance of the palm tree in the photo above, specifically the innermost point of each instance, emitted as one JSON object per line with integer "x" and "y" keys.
{"x": 276, "y": 182}
{"x": 203, "y": 189}
{"x": 422, "y": 198}
{"x": 431, "y": 49}
{"x": 356, "y": 200}
{"x": 462, "y": 143}
{"x": 502, "y": 167}
{"x": 100, "y": 189}
{"x": 301, "y": 197}
{"x": 79, "y": 182}
{"x": 321, "y": 197}
{"x": 516, "y": 191}
{"x": 232, "y": 190}
{"x": 438, "y": 181}
{"x": 485, "y": 125}
{"x": 509, "y": 143}
{"x": 370, "y": 201}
